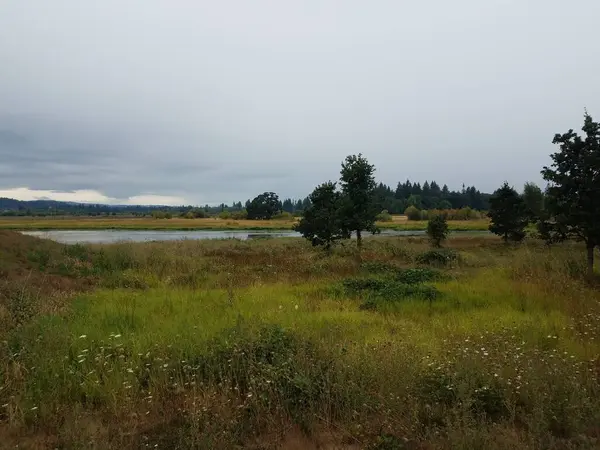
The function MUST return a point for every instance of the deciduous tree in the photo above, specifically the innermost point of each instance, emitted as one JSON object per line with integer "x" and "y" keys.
{"x": 437, "y": 230}
{"x": 534, "y": 200}
{"x": 263, "y": 206}
{"x": 573, "y": 193}
{"x": 359, "y": 209}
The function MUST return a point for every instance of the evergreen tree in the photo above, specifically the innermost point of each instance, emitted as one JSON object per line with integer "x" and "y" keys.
{"x": 321, "y": 222}
{"x": 399, "y": 194}
{"x": 508, "y": 214}
{"x": 426, "y": 191}
{"x": 288, "y": 205}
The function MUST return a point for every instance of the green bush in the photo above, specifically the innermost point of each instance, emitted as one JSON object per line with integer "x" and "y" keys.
{"x": 417, "y": 275}
{"x": 161, "y": 214}
{"x": 389, "y": 290}
{"x": 239, "y": 215}
{"x": 412, "y": 213}
{"x": 439, "y": 257}
{"x": 195, "y": 213}
{"x": 379, "y": 267}
{"x": 384, "y": 216}
{"x": 437, "y": 230}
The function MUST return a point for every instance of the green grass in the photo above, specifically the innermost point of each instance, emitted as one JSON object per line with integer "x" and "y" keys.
{"x": 260, "y": 345}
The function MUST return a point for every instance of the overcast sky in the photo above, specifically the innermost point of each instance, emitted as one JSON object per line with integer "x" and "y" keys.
{"x": 217, "y": 101}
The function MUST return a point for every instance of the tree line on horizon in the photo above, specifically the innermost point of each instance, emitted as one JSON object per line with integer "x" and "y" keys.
{"x": 426, "y": 196}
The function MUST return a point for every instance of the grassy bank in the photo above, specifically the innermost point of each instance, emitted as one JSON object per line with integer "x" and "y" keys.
{"x": 90, "y": 223}
{"x": 272, "y": 344}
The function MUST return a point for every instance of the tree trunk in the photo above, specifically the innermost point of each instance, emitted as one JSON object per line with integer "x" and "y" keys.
{"x": 358, "y": 239}
{"x": 590, "y": 259}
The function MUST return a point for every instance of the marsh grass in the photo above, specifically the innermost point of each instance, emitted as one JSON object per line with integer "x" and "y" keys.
{"x": 147, "y": 223}
{"x": 223, "y": 344}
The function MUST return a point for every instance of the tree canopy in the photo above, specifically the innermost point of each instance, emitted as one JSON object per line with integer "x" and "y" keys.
{"x": 321, "y": 222}
{"x": 573, "y": 193}
{"x": 437, "y": 230}
{"x": 263, "y": 206}
{"x": 359, "y": 206}
{"x": 534, "y": 200}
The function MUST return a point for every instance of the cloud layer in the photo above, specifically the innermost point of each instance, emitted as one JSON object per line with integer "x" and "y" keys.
{"x": 218, "y": 101}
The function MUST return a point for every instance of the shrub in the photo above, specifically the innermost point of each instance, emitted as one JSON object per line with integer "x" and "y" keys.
{"x": 437, "y": 230}
{"x": 455, "y": 214}
{"x": 412, "y": 213}
{"x": 384, "y": 216}
{"x": 161, "y": 214}
{"x": 224, "y": 215}
{"x": 417, "y": 275}
{"x": 389, "y": 290}
{"x": 440, "y": 257}
{"x": 379, "y": 267}
{"x": 239, "y": 215}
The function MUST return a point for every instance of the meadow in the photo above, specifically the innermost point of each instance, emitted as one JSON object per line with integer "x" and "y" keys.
{"x": 275, "y": 344}
{"x": 177, "y": 223}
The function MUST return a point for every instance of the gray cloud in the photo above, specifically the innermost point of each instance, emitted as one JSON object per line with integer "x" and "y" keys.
{"x": 218, "y": 101}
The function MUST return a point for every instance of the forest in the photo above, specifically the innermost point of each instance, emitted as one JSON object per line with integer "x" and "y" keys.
{"x": 425, "y": 196}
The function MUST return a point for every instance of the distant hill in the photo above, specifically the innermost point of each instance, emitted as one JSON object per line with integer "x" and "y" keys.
{"x": 12, "y": 207}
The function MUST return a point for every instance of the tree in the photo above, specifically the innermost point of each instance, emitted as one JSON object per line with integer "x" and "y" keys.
{"x": 359, "y": 209}
{"x": 437, "y": 230}
{"x": 414, "y": 200}
{"x": 263, "y": 206}
{"x": 508, "y": 214}
{"x": 444, "y": 204}
{"x": 321, "y": 222}
{"x": 288, "y": 205}
{"x": 534, "y": 200}
{"x": 573, "y": 193}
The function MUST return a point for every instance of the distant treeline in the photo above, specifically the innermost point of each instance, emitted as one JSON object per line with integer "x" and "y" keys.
{"x": 429, "y": 196}
{"x": 424, "y": 196}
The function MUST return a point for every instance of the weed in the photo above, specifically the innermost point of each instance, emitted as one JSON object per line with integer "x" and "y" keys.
{"x": 439, "y": 257}
{"x": 389, "y": 290}
{"x": 419, "y": 275}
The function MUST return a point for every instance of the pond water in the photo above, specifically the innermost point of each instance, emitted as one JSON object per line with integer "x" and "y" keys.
{"x": 112, "y": 236}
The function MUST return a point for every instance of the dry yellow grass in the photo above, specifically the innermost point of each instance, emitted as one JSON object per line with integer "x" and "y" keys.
{"x": 147, "y": 223}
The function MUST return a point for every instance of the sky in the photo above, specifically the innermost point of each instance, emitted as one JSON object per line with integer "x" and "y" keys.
{"x": 195, "y": 102}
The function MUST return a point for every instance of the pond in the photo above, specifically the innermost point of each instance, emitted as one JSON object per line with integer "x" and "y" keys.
{"x": 112, "y": 236}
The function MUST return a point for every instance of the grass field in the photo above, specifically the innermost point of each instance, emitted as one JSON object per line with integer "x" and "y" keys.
{"x": 95, "y": 223}
{"x": 273, "y": 344}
